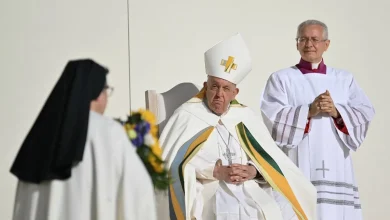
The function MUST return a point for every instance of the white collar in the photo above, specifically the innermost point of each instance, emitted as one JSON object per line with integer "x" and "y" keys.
{"x": 315, "y": 65}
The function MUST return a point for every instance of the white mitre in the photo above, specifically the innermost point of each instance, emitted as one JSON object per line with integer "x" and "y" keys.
{"x": 229, "y": 60}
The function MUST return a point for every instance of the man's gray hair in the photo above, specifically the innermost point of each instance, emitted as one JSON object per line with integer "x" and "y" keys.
{"x": 313, "y": 22}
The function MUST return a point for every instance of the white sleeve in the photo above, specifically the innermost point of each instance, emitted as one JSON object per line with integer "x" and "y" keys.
{"x": 286, "y": 123}
{"x": 357, "y": 115}
{"x": 259, "y": 181}
{"x": 197, "y": 208}
{"x": 204, "y": 171}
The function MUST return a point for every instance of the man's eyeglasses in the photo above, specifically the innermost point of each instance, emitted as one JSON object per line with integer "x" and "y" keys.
{"x": 109, "y": 90}
{"x": 304, "y": 40}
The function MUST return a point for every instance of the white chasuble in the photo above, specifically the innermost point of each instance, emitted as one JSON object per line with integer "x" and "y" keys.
{"x": 193, "y": 141}
{"x": 230, "y": 201}
{"x": 323, "y": 153}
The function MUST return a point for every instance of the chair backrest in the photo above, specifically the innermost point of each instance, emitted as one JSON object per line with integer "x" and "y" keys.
{"x": 164, "y": 104}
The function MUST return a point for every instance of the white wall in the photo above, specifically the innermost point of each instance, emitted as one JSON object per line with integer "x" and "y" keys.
{"x": 37, "y": 39}
{"x": 168, "y": 38}
{"x": 167, "y": 42}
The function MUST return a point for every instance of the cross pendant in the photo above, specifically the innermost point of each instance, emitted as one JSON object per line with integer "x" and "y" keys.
{"x": 229, "y": 156}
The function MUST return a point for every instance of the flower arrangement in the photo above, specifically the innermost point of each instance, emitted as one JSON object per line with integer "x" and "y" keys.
{"x": 142, "y": 131}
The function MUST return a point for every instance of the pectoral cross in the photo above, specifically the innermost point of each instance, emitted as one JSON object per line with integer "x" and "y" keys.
{"x": 229, "y": 64}
{"x": 229, "y": 155}
{"x": 323, "y": 169}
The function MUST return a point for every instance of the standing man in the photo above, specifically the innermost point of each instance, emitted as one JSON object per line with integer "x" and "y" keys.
{"x": 318, "y": 114}
{"x": 75, "y": 163}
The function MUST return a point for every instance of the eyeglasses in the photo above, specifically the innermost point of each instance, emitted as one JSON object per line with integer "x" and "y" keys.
{"x": 109, "y": 90}
{"x": 304, "y": 40}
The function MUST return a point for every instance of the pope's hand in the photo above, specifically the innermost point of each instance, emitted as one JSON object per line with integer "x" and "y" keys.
{"x": 222, "y": 173}
{"x": 242, "y": 173}
{"x": 236, "y": 173}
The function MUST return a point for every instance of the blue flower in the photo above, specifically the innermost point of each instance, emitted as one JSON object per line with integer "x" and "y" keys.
{"x": 138, "y": 141}
{"x": 142, "y": 128}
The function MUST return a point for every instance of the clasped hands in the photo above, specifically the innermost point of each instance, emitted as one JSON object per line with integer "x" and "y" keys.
{"x": 235, "y": 173}
{"x": 323, "y": 104}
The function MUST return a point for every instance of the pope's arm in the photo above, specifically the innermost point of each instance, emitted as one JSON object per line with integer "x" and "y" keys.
{"x": 259, "y": 177}
{"x": 257, "y": 119}
{"x": 179, "y": 129}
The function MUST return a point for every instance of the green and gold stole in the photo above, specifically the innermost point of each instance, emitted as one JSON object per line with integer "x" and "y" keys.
{"x": 268, "y": 166}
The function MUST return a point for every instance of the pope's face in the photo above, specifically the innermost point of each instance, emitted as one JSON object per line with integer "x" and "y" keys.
{"x": 219, "y": 94}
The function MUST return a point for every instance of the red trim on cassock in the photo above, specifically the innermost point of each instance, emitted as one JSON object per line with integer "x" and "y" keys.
{"x": 339, "y": 125}
{"x": 307, "y": 126}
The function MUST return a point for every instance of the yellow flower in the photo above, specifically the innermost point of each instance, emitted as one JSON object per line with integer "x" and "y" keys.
{"x": 154, "y": 130}
{"x": 157, "y": 166}
{"x": 156, "y": 149}
{"x": 155, "y": 158}
{"x": 148, "y": 116}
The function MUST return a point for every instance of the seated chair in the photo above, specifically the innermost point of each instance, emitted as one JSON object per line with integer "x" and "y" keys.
{"x": 162, "y": 105}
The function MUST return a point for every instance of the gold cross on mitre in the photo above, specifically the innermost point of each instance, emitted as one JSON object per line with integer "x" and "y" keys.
{"x": 229, "y": 64}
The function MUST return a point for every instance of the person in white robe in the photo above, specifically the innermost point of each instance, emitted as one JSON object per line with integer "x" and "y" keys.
{"x": 223, "y": 162}
{"x": 318, "y": 115}
{"x": 77, "y": 164}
